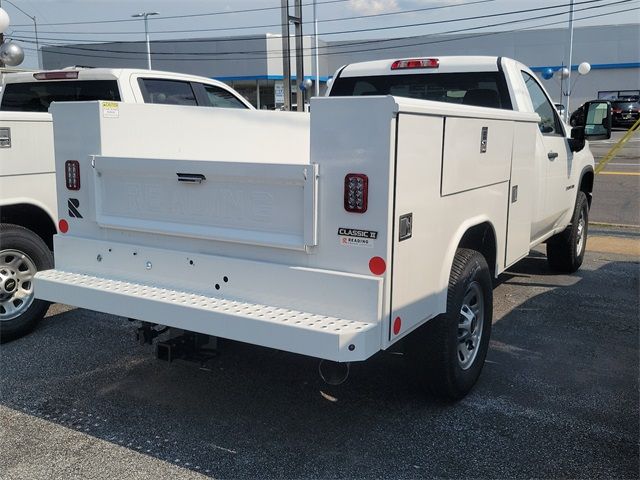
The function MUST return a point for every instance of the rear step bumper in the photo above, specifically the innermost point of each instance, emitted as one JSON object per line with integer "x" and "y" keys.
{"x": 320, "y": 336}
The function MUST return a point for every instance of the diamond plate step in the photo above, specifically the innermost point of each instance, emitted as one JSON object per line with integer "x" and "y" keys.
{"x": 286, "y": 329}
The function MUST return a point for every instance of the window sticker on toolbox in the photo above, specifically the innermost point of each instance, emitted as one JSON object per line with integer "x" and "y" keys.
{"x": 110, "y": 109}
{"x": 351, "y": 237}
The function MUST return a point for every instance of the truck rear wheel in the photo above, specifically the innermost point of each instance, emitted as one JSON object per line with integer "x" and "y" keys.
{"x": 447, "y": 353}
{"x": 565, "y": 250}
{"x": 22, "y": 254}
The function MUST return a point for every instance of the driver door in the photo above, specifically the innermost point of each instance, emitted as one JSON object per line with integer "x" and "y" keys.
{"x": 554, "y": 159}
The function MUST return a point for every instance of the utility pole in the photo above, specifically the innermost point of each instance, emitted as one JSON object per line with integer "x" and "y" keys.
{"x": 286, "y": 55}
{"x": 296, "y": 19}
{"x": 1, "y": 39}
{"x": 297, "y": 22}
{"x": 315, "y": 42}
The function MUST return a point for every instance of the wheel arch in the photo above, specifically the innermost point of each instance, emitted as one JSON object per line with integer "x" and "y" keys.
{"x": 587, "y": 178}
{"x": 32, "y": 216}
{"x": 477, "y": 234}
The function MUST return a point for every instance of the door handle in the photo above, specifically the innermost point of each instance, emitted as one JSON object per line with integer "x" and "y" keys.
{"x": 191, "y": 177}
{"x": 552, "y": 155}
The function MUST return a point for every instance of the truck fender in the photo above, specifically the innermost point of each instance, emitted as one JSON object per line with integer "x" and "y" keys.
{"x": 586, "y": 183}
{"x": 42, "y": 220}
{"x": 456, "y": 240}
{"x": 8, "y": 202}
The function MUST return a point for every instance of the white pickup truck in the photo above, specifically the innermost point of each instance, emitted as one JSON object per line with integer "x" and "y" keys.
{"x": 381, "y": 216}
{"x": 28, "y": 208}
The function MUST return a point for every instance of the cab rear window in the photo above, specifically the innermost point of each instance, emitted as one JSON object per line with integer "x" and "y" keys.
{"x": 486, "y": 89}
{"x": 37, "y": 96}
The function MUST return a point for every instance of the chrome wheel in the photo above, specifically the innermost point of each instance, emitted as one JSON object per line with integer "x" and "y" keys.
{"x": 16, "y": 283}
{"x": 580, "y": 234}
{"x": 470, "y": 325}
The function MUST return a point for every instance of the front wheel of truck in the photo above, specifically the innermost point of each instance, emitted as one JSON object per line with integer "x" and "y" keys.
{"x": 447, "y": 354}
{"x": 565, "y": 250}
{"x": 22, "y": 254}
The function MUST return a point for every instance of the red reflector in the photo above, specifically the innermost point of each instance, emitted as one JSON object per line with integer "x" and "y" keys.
{"x": 397, "y": 325}
{"x": 415, "y": 63}
{"x": 71, "y": 75}
{"x": 617, "y": 110}
{"x": 356, "y": 192}
{"x": 72, "y": 174}
{"x": 377, "y": 265}
{"x": 63, "y": 226}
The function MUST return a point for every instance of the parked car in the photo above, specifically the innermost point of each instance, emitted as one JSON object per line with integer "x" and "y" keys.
{"x": 624, "y": 112}
{"x": 560, "y": 108}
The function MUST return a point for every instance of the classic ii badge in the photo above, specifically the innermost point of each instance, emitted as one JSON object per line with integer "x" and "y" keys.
{"x": 351, "y": 237}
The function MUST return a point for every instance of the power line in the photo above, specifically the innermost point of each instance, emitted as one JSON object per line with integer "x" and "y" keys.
{"x": 342, "y": 32}
{"x": 191, "y": 15}
{"x": 443, "y": 40}
{"x": 194, "y": 55}
{"x": 244, "y": 27}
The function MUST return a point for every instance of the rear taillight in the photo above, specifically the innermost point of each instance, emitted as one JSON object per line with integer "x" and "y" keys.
{"x": 356, "y": 187}
{"x": 415, "y": 63}
{"x": 72, "y": 174}
{"x": 71, "y": 75}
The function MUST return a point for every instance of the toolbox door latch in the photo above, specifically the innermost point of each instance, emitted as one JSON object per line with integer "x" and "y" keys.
{"x": 406, "y": 226}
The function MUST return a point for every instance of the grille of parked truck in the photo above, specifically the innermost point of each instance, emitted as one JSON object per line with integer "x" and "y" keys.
{"x": 28, "y": 211}
{"x": 381, "y": 217}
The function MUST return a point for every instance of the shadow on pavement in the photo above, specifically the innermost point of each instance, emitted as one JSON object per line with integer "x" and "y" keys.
{"x": 558, "y": 396}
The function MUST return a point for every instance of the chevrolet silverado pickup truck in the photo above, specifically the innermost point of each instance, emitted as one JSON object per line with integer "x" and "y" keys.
{"x": 383, "y": 222}
{"x": 28, "y": 210}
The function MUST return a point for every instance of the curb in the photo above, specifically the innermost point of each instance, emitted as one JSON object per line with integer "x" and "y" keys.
{"x": 615, "y": 225}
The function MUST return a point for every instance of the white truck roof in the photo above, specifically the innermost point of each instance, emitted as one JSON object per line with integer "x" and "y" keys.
{"x": 119, "y": 74}
{"x": 446, "y": 64}
{"x": 108, "y": 73}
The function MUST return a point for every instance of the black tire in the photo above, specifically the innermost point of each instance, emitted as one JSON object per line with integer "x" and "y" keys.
{"x": 14, "y": 238}
{"x": 565, "y": 250}
{"x": 433, "y": 349}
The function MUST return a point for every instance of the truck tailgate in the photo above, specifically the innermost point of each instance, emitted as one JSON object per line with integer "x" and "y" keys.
{"x": 253, "y": 203}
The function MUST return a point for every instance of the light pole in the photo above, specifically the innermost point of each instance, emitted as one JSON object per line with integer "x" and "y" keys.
{"x": 566, "y": 112}
{"x": 35, "y": 27}
{"x": 146, "y": 15}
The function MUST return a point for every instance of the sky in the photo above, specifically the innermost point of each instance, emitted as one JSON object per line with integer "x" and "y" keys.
{"x": 337, "y": 19}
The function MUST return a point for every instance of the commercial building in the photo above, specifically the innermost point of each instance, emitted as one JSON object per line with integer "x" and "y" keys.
{"x": 253, "y": 64}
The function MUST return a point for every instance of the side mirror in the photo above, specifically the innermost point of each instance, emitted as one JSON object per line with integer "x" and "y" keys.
{"x": 597, "y": 120}
{"x": 577, "y": 140}
{"x": 593, "y": 124}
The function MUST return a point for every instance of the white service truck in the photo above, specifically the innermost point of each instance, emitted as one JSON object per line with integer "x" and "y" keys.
{"x": 28, "y": 205}
{"x": 376, "y": 218}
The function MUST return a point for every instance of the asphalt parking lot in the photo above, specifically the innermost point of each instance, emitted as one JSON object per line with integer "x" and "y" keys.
{"x": 558, "y": 397}
{"x": 79, "y": 398}
{"x": 617, "y": 188}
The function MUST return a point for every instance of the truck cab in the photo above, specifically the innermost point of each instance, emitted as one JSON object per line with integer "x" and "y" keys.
{"x": 498, "y": 83}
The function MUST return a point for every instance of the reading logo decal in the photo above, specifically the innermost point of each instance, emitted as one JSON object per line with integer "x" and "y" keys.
{"x": 351, "y": 237}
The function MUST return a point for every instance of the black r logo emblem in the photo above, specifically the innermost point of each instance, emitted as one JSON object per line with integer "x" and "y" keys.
{"x": 74, "y": 204}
